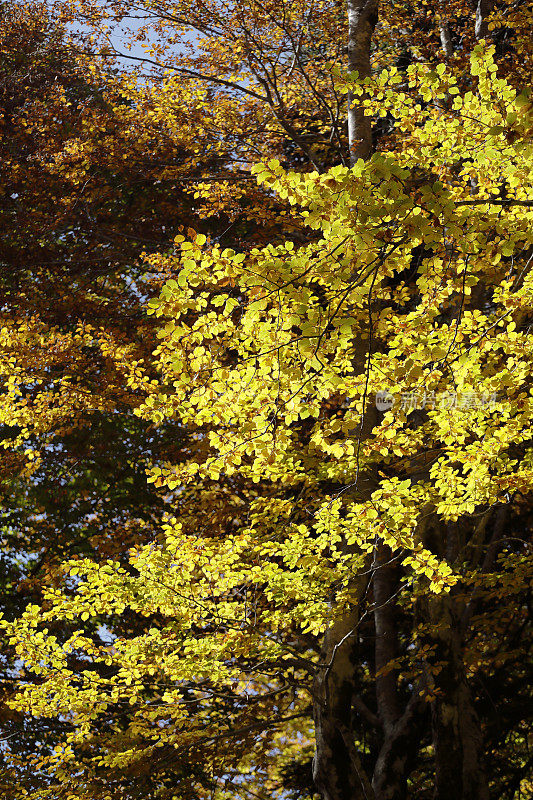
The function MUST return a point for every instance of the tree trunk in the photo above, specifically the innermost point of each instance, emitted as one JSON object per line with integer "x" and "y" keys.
{"x": 385, "y": 581}
{"x": 445, "y": 37}
{"x": 399, "y": 726}
{"x": 362, "y": 19}
{"x": 457, "y": 737}
{"x": 337, "y": 769}
{"x": 400, "y": 747}
{"x": 483, "y": 9}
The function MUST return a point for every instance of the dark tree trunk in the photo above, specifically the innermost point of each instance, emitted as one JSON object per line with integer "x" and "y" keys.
{"x": 385, "y": 584}
{"x": 337, "y": 769}
{"x": 457, "y": 737}
{"x": 398, "y": 752}
{"x": 483, "y": 9}
{"x": 399, "y": 726}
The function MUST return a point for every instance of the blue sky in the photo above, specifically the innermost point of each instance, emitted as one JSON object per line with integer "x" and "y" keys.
{"x": 120, "y": 39}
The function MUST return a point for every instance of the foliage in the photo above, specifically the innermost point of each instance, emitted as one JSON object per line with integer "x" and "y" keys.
{"x": 300, "y": 504}
{"x": 75, "y": 220}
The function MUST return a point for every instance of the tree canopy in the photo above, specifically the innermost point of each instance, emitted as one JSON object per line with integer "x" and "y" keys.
{"x": 266, "y": 401}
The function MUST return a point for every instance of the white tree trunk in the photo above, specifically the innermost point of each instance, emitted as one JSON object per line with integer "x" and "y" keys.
{"x": 362, "y": 19}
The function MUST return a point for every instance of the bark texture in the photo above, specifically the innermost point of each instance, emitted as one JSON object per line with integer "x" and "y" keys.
{"x": 399, "y": 725}
{"x": 457, "y": 737}
{"x": 362, "y": 19}
{"x": 445, "y": 38}
{"x": 337, "y": 769}
{"x": 398, "y": 751}
{"x": 483, "y": 9}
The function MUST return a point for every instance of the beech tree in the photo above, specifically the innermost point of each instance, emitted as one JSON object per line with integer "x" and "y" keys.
{"x": 83, "y": 195}
{"x": 358, "y": 493}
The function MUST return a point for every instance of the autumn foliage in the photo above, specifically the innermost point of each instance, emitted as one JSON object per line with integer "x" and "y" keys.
{"x": 266, "y": 400}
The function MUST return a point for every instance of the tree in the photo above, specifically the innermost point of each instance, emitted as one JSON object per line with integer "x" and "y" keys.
{"x": 84, "y": 193}
{"x": 273, "y": 61}
{"x": 325, "y": 555}
{"x": 302, "y": 52}
{"x": 95, "y": 171}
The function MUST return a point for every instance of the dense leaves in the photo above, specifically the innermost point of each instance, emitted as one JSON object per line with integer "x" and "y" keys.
{"x": 322, "y": 587}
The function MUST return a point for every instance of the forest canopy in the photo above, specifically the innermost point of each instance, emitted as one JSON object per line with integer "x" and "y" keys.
{"x": 266, "y": 409}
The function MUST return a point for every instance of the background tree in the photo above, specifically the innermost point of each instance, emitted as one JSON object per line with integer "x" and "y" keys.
{"x": 84, "y": 193}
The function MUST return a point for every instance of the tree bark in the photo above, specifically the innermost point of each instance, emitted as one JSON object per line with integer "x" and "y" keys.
{"x": 337, "y": 769}
{"x": 445, "y": 38}
{"x": 362, "y": 19}
{"x": 457, "y": 737}
{"x": 386, "y": 647}
{"x": 398, "y": 751}
{"x": 399, "y": 726}
{"x": 483, "y": 9}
